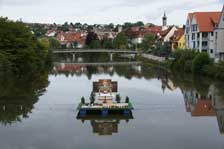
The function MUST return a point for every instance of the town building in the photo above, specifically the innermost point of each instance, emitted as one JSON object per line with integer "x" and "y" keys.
{"x": 71, "y": 39}
{"x": 178, "y": 39}
{"x": 199, "y": 32}
{"x": 219, "y": 38}
{"x": 162, "y": 33}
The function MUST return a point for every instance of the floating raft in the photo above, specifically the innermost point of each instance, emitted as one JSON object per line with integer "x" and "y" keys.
{"x": 115, "y": 109}
{"x": 105, "y": 93}
{"x": 93, "y": 116}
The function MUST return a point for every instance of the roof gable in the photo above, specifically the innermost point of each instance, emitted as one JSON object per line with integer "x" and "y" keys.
{"x": 206, "y": 20}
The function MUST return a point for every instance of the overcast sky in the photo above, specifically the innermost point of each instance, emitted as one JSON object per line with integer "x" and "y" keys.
{"x": 104, "y": 11}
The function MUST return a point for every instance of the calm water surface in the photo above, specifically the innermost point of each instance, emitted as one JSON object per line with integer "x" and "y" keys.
{"x": 170, "y": 112}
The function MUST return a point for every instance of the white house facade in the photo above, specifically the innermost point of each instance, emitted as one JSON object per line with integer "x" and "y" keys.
{"x": 199, "y": 31}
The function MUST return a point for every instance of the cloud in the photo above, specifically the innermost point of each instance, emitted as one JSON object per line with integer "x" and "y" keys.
{"x": 104, "y": 11}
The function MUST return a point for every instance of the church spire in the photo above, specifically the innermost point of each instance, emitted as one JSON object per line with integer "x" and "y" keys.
{"x": 164, "y": 19}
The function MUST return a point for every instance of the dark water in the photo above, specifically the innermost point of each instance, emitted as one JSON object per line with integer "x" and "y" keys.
{"x": 171, "y": 111}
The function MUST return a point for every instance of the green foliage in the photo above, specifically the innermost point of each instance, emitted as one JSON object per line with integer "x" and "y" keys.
{"x": 196, "y": 63}
{"x": 54, "y": 44}
{"x": 64, "y": 27}
{"x": 121, "y": 41}
{"x": 92, "y": 98}
{"x": 17, "y": 93}
{"x": 38, "y": 30}
{"x": 199, "y": 62}
{"x": 118, "y": 98}
{"x": 83, "y": 100}
{"x": 148, "y": 41}
{"x": 95, "y": 44}
{"x": 127, "y": 100}
{"x": 183, "y": 60}
{"x": 107, "y": 44}
{"x": 20, "y": 50}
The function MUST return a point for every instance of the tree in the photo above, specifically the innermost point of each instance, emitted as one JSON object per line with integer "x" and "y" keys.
{"x": 92, "y": 98}
{"x": 82, "y": 100}
{"x": 24, "y": 53}
{"x": 148, "y": 41}
{"x": 118, "y": 98}
{"x": 91, "y": 37}
{"x": 95, "y": 44}
{"x": 127, "y": 100}
{"x": 139, "y": 23}
{"x": 107, "y": 43}
{"x": 127, "y": 25}
{"x": 64, "y": 27}
{"x": 199, "y": 62}
{"x": 54, "y": 44}
{"x": 121, "y": 41}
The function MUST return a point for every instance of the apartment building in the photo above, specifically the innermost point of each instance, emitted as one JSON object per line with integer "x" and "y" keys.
{"x": 199, "y": 31}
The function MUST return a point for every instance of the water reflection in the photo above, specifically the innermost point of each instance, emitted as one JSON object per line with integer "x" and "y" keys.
{"x": 202, "y": 97}
{"x": 210, "y": 104}
{"x": 105, "y": 125}
{"x": 18, "y": 96}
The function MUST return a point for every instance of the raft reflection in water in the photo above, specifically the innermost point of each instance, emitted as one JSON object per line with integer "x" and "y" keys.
{"x": 105, "y": 125}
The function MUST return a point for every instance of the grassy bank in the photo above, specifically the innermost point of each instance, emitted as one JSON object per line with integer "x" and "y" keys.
{"x": 189, "y": 62}
{"x": 196, "y": 63}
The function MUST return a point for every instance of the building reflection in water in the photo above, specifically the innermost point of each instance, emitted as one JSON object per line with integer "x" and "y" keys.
{"x": 210, "y": 104}
{"x": 105, "y": 125}
{"x": 200, "y": 100}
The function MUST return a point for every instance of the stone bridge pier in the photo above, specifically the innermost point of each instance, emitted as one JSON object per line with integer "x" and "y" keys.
{"x": 73, "y": 57}
{"x": 111, "y": 56}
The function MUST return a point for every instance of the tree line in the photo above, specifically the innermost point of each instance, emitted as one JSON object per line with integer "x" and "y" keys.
{"x": 21, "y": 53}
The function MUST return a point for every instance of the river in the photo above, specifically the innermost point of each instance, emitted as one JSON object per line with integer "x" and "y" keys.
{"x": 170, "y": 110}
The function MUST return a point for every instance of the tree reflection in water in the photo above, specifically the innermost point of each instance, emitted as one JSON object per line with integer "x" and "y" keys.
{"x": 202, "y": 96}
{"x": 18, "y": 96}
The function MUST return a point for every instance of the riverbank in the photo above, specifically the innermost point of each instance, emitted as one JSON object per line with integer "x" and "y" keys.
{"x": 189, "y": 62}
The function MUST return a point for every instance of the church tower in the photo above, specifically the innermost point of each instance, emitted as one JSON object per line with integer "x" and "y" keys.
{"x": 164, "y": 20}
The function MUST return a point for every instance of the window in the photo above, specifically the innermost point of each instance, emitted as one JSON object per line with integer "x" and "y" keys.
{"x": 194, "y": 45}
{"x": 204, "y": 50}
{"x": 194, "y": 28}
{"x": 212, "y": 33}
{"x": 211, "y": 51}
{"x": 204, "y": 43}
{"x": 204, "y": 35}
{"x": 193, "y": 36}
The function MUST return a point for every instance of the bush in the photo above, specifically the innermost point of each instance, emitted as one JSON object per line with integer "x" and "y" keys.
{"x": 209, "y": 70}
{"x": 199, "y": 62}
{"x": 183, "y": 60}
{"x": 187, "y": 66}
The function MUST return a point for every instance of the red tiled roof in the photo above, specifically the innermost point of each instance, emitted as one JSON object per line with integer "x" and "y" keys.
{"x": 178, "y": 34}
{"x": 154, "y": 29}
{"x": 70, "y": 37}
{"x": 69, "y": 68}
{"x": 203, "y": 108}
{"x": 207, "y": 20}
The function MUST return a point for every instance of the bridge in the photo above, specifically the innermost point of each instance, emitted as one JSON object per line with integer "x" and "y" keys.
{"x": 94, "y": 51}
{"x": 101, "y": 63}
{"x": 110, "y": 51}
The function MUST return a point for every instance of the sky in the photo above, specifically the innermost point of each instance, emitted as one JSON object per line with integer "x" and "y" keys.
{"x": 104, "y": 11}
